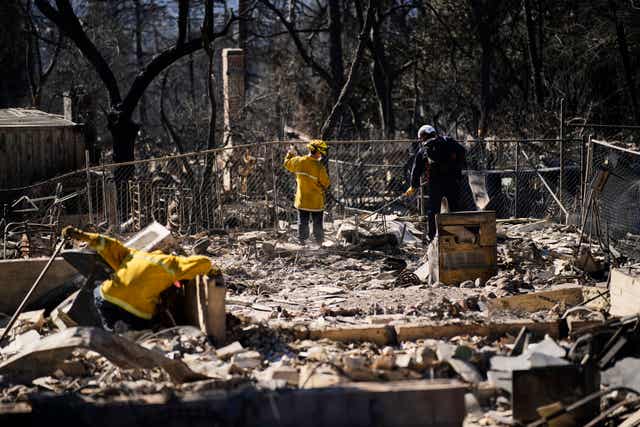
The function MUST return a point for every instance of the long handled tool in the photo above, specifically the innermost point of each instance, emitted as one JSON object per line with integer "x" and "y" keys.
{"x": 33, "y": 288}
{"x": 397, "y": 199}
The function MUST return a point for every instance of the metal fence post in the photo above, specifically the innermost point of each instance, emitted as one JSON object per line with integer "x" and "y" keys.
{"x": 516, "y": 181}
{"x": 275, "y": 189}
{"x": 583, "y": 171}
{"x": 561, "y": 178}
{"x": 89, "y": 202}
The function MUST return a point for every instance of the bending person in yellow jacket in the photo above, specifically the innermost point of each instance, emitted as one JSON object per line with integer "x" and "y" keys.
{"x": 133, "y": 292}
{"x": 312, "y": 181}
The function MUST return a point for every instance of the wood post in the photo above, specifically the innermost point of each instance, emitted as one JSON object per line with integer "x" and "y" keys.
{"x": 210, "y": 308}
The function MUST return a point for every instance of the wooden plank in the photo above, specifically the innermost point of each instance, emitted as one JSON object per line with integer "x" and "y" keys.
{"x": 415, "y": 331}
{"x": 625, "y": 292}
{"x": 536, "y": 301}
{"x": 379, "y": 334}
{"x": 466, "y": 218}
{"x": 43, "y": 357}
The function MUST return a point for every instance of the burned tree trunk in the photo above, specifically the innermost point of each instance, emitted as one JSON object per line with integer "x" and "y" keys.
{"x": 330, "y": 122}
{"x": 14, "y": 82}
{"x": 623, "y": 48}
{"x": 483, "y": 16}
{"x": 534, "y": 58}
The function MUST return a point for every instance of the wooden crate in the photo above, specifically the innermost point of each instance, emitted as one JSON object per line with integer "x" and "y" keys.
{"x": 466, "y": 247}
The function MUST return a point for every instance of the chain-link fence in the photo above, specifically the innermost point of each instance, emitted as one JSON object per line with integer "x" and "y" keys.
{"x": 612, "y": 198}
{"x": 247, "y": 187}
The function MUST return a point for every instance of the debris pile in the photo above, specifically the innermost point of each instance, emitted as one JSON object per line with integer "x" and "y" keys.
{"x": 305, "y": 318}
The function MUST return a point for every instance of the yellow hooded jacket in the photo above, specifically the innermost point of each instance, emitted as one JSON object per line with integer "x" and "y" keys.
{"x": 140, "y": 277}
{"x": 312, "y": 180}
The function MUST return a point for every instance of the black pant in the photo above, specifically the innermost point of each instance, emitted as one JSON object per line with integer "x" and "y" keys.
{"x": 303, "y": 225}
{"x": 437, "y": 188}
{"x": 110, "y": 313}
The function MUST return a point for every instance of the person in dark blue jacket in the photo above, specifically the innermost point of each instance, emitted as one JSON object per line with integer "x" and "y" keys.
{"x": 440, "y": 160}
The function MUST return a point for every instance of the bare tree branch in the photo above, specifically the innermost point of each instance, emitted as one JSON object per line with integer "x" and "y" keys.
{"x": 67, "y": 22}
{"x": 357, "y": 58}
{"x": 162, "y": 61}
{"x": 299, "y": 45}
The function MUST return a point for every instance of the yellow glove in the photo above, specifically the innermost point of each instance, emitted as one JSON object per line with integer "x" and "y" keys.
{"x": 70, "y": 232}
{"x": 410, "y": 192}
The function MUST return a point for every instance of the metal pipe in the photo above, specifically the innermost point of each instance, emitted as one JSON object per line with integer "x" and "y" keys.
{"x": 33, "y": 288}
{"x": 602, "y": 126}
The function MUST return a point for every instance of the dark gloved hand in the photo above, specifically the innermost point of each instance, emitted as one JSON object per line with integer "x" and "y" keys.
{"x": 70, "y": 232}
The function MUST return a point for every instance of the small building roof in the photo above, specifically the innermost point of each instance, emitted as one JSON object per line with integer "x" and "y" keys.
{"x": 23, "y": 117}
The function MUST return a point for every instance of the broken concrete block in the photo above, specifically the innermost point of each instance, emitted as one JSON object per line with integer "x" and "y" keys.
{"x": 153, "y": 237}
{"x": 317, "y": 353}
{"x": 625, "y": 292}
{"x": 43, "y": 357}
{"x": 548, "y": 347}
{"x": 288, "y": 374}
{"x": 20, "y": 342}
{"x": 525, "y": 361}
{"x": 313, "y": 376}
{"x": 445, "y": 351}
{"x": 387, "y": 360}
{"x": 404, "y": 361}
{"x": 355, "y": 367}
{"x": 246, "y": 360}
{"x": 208, "y": 368}
{"x": 226, "y": 352}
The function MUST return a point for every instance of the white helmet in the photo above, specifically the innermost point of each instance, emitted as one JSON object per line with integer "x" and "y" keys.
{"x": 426, "y": 130}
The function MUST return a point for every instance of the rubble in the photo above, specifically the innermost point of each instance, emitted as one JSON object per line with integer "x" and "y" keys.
{"x": 305, "y": 318}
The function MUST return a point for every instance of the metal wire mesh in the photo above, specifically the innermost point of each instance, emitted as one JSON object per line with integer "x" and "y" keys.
{"x": 613, "y": 216}
{"x": 248, "y": 188}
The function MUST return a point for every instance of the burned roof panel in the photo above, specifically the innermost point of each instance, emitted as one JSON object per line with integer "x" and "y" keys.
{"x": 22, "y": 117}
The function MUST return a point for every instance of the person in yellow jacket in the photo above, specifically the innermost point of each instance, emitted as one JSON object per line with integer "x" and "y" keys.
{"x": 312, "y": 182}
{"x": 132, "y": 293}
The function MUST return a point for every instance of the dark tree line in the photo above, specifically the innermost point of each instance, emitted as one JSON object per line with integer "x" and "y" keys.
{"x": 336, "y": 68}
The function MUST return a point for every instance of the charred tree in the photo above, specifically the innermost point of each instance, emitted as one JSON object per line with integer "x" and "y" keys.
{"x": 534, "y": 57}
{"x": 623, "y": 48}
{"x": 14, "y": 80}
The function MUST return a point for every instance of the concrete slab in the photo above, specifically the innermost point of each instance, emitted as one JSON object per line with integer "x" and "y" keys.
{"x": 17, "y": 276}
{"x": 625, "y": 292}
